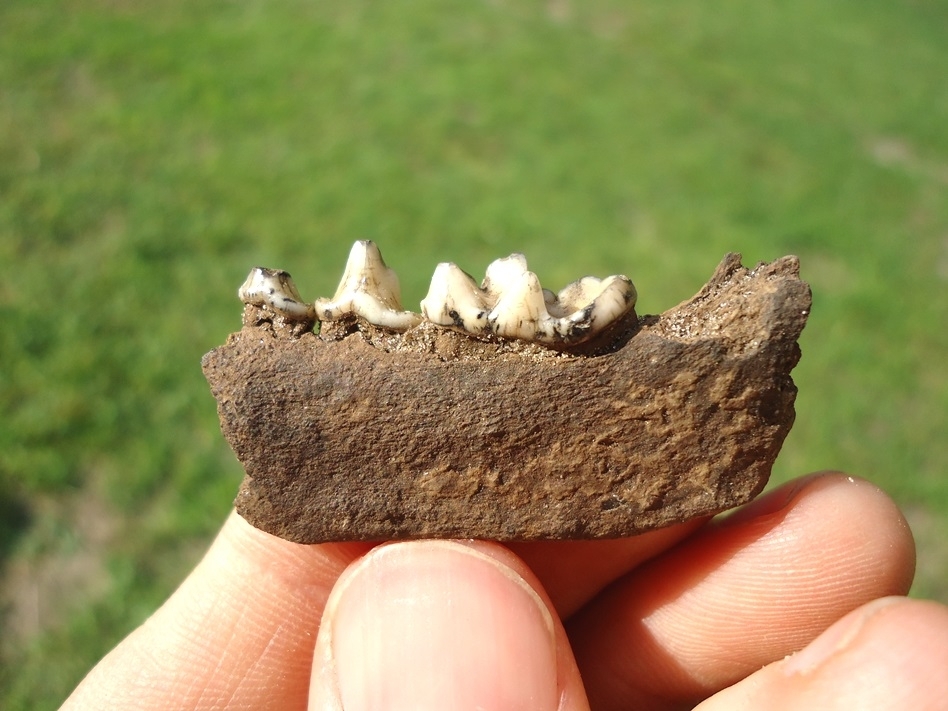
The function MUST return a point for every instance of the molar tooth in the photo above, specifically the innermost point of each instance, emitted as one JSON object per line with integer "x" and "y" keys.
{"x": 274, "y": 288}
{"x": 455, "y": 300}
{"x": 368, "y": 289}
{"x": 588, "y": 305}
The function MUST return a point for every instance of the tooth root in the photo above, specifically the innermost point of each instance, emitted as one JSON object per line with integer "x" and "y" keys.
{"x": 368, "y": 289}
{"x": 275, "y": 288}
{"x": 455, "y": 300}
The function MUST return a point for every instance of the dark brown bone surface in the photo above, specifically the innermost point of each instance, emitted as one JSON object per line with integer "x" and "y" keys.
{"x": 360, "y": 435}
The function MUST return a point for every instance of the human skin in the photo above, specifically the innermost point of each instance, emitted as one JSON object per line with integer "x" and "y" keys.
{"x": 792, "y": 602}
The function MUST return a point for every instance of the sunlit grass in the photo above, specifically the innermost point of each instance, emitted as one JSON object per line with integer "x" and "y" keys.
{"x": 151, "y": 153}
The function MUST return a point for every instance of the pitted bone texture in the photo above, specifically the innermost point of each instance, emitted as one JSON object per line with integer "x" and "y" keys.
{"x": 355, "y": 437}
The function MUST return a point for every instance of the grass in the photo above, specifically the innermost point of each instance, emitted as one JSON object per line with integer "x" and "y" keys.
{"x": 151, "y": 153}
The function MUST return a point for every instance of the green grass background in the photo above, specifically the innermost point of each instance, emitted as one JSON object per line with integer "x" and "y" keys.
{"x": 151, "y": 153}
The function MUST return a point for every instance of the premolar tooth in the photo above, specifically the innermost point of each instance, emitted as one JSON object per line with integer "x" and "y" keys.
{"x": 574, "y": 296}
{"x": 368, "y": 289}
{"x": 274, "y": 288}
{"x": 454, "y": 299}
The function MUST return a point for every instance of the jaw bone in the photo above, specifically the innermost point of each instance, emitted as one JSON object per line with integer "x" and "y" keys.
{"x": 510, "y": 303}
{"x": 275, "y": 288}
{"x": 368, "y": 289}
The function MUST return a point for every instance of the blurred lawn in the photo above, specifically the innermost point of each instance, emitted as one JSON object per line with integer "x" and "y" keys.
{"x": 151, "y": 153}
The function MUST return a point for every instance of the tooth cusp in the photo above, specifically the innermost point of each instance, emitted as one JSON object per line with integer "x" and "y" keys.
{"x": 368, "y": 289}
{"x": 275, "y": 288}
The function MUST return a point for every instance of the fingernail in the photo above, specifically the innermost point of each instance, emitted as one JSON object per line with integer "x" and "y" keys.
{"x": 837, "y": 638}
{"x": 440, "y": 625}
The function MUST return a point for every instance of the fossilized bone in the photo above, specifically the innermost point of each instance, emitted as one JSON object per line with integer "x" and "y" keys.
{"x": 502, "y": 410}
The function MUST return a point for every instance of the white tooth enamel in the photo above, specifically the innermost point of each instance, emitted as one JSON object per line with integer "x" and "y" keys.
{"x": 575, "y": 296}
{"x": 274, "y": 288}
{"x": 368, "y": 289}
{"x": 520, "y": 311}
{"x": 510, "y": 303}
{"x": 454, "y": 299}
{"x": 502, "y": 273}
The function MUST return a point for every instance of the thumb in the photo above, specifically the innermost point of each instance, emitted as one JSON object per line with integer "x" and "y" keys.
{"x": 442, "y": 625}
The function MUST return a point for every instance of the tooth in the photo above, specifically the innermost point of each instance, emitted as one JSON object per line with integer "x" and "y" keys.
{"x": 368, "y": 289}
{"x": 590, "y": 304}
{"x": 455, "y": 300}
{"x": 520, "y": 311}
{"x": 274, "y": 288}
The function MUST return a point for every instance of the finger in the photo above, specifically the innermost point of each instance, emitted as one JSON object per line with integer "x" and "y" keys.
{"x": 238, "y": 633}
{"x": 889, "y": 654}
{"x": 742, "y": 593}
{"x": 573, "y": 572}
{"x": 442, "y": 625}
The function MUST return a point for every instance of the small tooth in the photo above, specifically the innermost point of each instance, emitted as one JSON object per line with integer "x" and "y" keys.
{"x": 616, "y": 297}
{"x": 455, "y": 300}
{"x": 368, "y": 289}
{"x": 274, "y": 288}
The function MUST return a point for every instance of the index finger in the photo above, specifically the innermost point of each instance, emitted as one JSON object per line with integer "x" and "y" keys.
{"x": 238, "y": 633}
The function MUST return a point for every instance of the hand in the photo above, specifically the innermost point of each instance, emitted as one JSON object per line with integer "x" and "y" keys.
{"x": 660, "y": 621}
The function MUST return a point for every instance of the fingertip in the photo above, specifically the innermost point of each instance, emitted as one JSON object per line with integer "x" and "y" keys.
{"x": 858, "y": 518}
{"x": 746, "y": 590}
{"x": 442, "y": 624}
{"x": 888, "y": 654}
